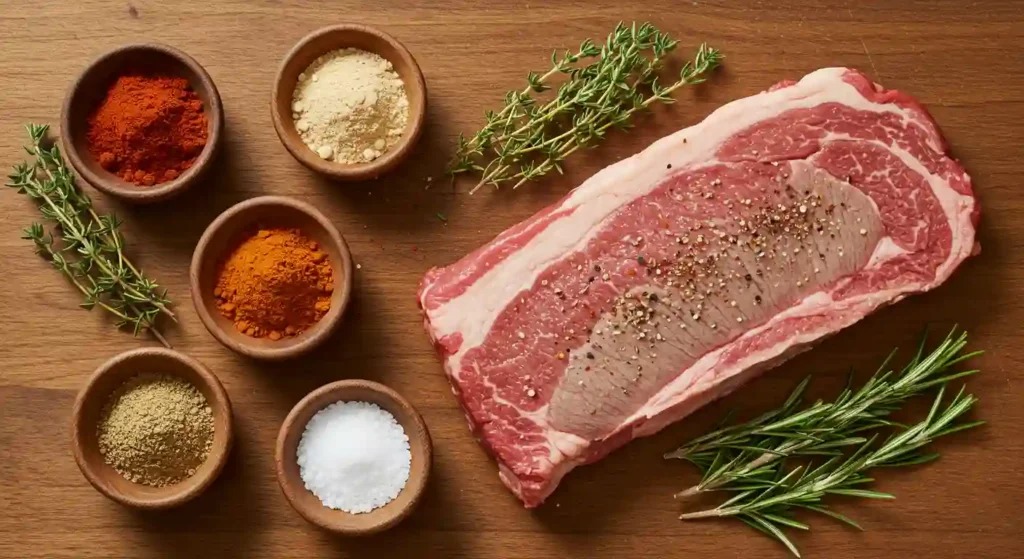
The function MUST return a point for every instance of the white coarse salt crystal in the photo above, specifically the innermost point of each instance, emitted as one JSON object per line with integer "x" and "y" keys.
{"x": 354, "y": 456}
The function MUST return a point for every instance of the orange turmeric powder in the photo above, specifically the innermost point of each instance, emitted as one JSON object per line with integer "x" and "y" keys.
{"x": 277, "y": 283}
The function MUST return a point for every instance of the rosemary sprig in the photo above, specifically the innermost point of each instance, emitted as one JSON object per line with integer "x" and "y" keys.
{"x": 754, "y": 448}
{"x": 768, "y": 504}
{"x": 91, "y": 250}
{"x": 750, "y": 459}
{"x": 527, "y": 140}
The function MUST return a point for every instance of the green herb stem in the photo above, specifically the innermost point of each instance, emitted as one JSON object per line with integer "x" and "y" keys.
{"x": 733, "y": 453}
{"x": 91, "y": 254}
{"x": 768, "y": 504}
{"x": 525, "y": 141}
{"x": 749, "y": 459}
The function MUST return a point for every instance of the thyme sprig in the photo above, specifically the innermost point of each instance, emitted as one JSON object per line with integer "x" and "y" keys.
{"x": 750, "y": 459}
{"x": 90, "y": 252}
{"x": 528, "y": 139}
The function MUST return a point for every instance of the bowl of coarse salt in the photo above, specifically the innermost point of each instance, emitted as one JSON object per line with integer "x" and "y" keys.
{"x": 353, "y": 457}
{"x": 349, "y": 102}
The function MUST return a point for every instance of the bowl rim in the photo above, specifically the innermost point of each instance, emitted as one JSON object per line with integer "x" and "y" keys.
{"x": 349, "y": 171}
{"x": 218, "y": 454}
{"x": 114, "y": 186}
{"x": 290, "y": 424}
{"x": 315, "y": 335}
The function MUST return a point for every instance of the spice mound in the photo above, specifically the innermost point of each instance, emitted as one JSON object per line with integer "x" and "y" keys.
{"x": 156, "y": 430}
{"x": 148, "y": 129}
{"x": 276, "y": 283}
{"x": 354, "y": 456}
{"x": 350, "y": 106}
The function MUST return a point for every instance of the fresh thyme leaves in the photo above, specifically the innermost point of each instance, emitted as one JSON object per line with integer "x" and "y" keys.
{"x": 750, "y": 459}
{"x": 527, "y": 139}
{"x": 91, "y": 250}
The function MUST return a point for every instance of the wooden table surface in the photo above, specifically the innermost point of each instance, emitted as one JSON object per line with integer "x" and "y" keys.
{"x": 964, "y": 61}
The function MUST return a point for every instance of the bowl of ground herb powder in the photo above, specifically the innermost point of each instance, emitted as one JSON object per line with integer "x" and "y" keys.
{"x": 152, "y": 428}
{"x": 349, "y": 102}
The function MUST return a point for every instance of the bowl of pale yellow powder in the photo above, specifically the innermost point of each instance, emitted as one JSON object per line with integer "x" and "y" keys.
{"x": 349, "y": 102}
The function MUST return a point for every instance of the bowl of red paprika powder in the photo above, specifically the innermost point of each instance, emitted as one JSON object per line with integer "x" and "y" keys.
{"x": 142, "y": 122}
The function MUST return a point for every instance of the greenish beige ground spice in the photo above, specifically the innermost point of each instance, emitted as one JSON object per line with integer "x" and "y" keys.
{"x": 156, "y": 429}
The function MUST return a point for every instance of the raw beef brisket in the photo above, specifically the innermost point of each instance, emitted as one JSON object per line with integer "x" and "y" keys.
{"x": 668, "y": 279}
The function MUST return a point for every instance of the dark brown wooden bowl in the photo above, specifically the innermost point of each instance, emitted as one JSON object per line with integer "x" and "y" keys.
{"x": 227, "y": 232}
{"x": 307, "y": 504}
{"x": 88, "y": 91}
{"x": 329, "y": 39}
{"x": 89, "y": 407}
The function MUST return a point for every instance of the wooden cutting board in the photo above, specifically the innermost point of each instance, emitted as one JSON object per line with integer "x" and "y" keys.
{"x": 963, "y": 60}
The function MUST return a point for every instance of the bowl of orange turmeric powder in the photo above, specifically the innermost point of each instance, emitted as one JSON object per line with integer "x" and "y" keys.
{"x": 271, "y": 278}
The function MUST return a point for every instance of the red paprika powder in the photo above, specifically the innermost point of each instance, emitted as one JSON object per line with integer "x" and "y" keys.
{"x": 148, "y": 129}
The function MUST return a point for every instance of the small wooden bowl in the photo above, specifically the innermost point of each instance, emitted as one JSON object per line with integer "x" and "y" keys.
{"x": 329, "y": 39}
{"x": 307, "y": 504}
{"x": 88, "y": 91}
{"x": 89, "y": 407}
{"x": 227, "y": 232}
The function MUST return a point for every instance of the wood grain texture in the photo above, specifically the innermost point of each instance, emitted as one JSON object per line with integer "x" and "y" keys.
{"x": 963, "y": 60}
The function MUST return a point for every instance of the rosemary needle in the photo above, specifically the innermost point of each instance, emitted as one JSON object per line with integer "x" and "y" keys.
{"x": 527, "y": 140}
{"x": 91, "y": 251}
{"x": 749, "y": 459}
{"x": 767, "y": 504}
{"x": 824, "y": 428}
